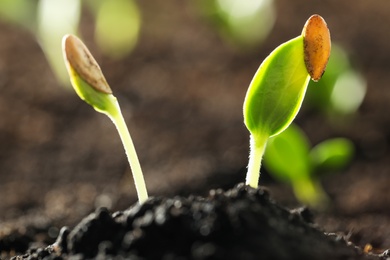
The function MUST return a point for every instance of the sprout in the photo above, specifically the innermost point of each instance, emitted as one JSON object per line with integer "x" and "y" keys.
{"x": 290, "y": 158}
{"x": 276, "y": 92}
{"x": 90, "y": 84}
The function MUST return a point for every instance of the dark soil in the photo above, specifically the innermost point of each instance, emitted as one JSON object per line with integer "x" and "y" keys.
{"x": 181, "y": 92}
{"x": 242, "y": 223}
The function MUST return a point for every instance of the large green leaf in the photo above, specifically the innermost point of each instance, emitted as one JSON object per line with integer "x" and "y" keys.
{"x": 277, "y": 90}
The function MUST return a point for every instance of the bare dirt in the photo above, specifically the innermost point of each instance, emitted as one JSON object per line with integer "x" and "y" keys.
{"x": 181, "y": 92}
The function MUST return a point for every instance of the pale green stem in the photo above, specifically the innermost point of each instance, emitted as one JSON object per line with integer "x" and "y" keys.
{"x": 257, "y": 148}
{"x": 310, "y": 192}
{"x": 135, "y": 166}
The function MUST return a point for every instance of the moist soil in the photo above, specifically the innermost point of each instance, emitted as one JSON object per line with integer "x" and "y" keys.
{"x": 181, "y": 92}
{"x": 241, "y": 223}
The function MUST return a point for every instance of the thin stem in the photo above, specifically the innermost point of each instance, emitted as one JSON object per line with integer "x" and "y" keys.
{"x": 257, "y": 148}
{"x": 310, "y": 192}
{"x": 128, "y": 144}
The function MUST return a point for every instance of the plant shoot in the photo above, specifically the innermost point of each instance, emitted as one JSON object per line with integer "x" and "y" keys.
{"x": 276, "y": 92}
{"x": 90, "y": 84}
{"x": 290, "y": 158}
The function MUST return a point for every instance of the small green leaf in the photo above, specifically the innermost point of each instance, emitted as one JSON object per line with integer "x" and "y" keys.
{"x": 101, "y": 102}
{"x": 332, "y": 154}
{"x": 277, "y": 90}
{"x": 287, "y": 155}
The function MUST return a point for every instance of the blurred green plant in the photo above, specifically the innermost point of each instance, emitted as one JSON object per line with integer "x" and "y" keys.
{"x": 245, "y": 22}
{"x": 20, "y": 12}
{"x": 117, "y": 25}
{"x": 290, "y": 158}
{"x": 341, "y": 90}
{"x": 54, "y": 19}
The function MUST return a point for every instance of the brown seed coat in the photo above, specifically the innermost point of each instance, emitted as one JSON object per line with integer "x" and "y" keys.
{"x": 317, "y": 46}
{"x": 81, "y": 60}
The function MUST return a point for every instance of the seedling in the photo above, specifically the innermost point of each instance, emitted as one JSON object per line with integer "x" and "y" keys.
{"x": 277, "y": 90}
{"x": 290, "y": 158}
{"x": 90, "y": 84}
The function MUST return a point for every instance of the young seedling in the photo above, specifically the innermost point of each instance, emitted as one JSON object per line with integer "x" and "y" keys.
{"x": 290, "y": 158}
{"x": 90, "y": 84}
{"x": 276, "y": 92}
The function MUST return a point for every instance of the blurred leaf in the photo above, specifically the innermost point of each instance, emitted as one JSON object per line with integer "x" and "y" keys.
{"x": 117, "y": 27}
{"x": 55, "y": 19}
{"x": 318, "y": 95}
{"x": 310, "y": 192}
{"x": 245, "y": 22}
{"x": 21, "y": 12}
{"x": 348, "y": 92}
{"x": 333, "y": 154}
{"x": 341, "y": 89}
{"x": 287, "y": 155}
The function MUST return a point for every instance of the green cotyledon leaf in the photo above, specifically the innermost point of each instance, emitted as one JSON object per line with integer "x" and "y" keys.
{"x": 277, "y": 90}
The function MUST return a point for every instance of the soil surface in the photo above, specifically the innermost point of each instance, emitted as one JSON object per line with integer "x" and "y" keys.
{"x": 242, "y": 223}
{"x": 181, "y": 92}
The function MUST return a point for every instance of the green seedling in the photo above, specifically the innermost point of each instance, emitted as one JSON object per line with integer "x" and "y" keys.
{"x": 90, "y": 84}
{"x": 290, "y": 158}
{"x": 276, "y": 92}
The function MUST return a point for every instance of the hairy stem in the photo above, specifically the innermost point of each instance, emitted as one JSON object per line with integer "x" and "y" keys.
{"x": 257, "y": 148}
